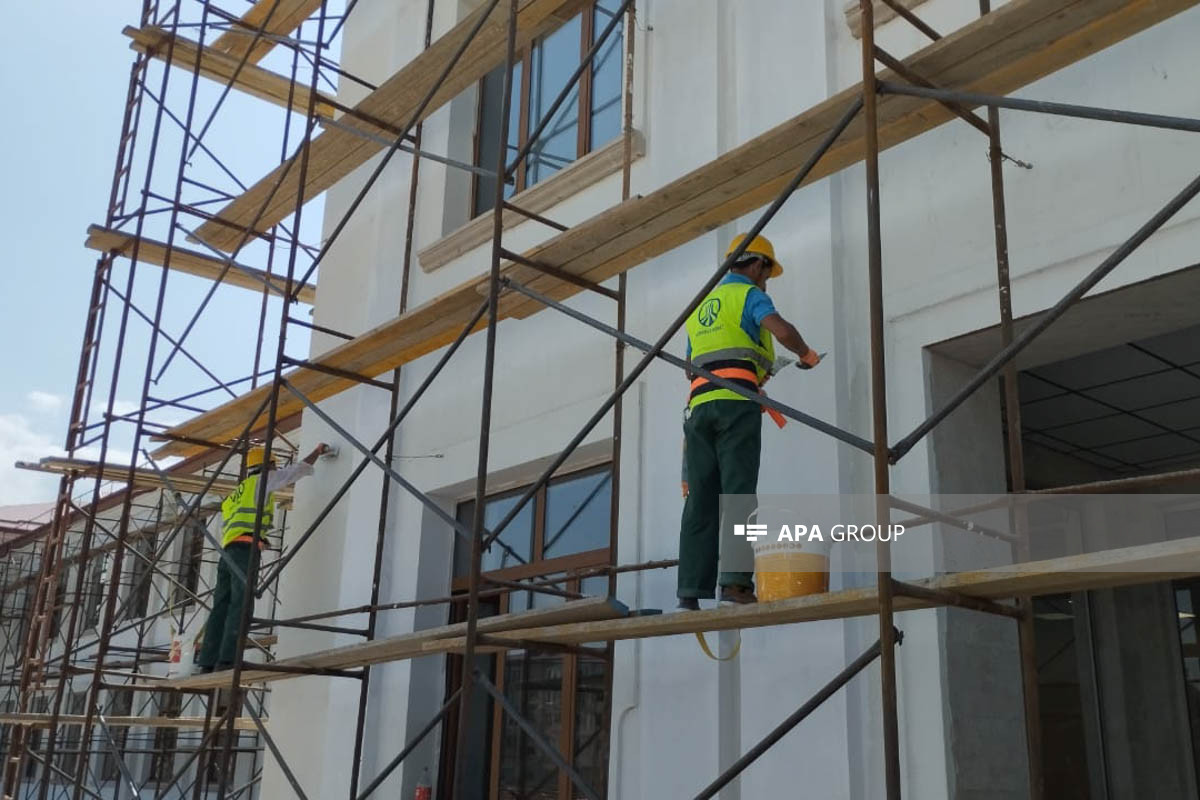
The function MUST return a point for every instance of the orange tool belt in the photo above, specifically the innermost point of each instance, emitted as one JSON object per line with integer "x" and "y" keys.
{"x": 744, "y": 376}
{"x": 248, "y": 540}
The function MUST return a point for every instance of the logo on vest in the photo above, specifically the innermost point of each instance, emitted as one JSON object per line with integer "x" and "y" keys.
{"x": 708, "y": 311}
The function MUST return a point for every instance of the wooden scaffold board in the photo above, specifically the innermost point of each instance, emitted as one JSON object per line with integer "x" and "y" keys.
{"x": 142, "y": 478}
{"x": 223, "y": 68}
{"x": 1018, "y": 43}
{"x": 43, "y": 721}
{"x": 410, "y": 645}
{"x": 1099, "y": 570}
{"x": 107, "y": 240}
{"x": 336, "y": 152}
{"x": 281, "y": 18}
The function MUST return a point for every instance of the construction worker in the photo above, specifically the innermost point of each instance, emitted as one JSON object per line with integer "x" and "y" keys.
{"x": 240, "y": 516}
{"x": 731, "y": 334}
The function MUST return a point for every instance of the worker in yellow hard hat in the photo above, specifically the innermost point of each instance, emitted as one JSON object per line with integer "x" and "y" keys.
{"x": 243, "y": 523}
{"x": 731, "y": 334}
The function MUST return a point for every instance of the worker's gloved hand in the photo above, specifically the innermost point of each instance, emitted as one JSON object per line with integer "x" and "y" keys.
{"x": 809, "y": 359}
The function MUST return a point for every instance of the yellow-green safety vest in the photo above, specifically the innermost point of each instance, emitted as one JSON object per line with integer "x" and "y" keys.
{"x": 721, "y": 346}
{"x": 238, "y": 513}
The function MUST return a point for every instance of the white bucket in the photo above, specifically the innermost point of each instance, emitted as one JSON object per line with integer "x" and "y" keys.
{"x": 181, "y": 660}
{"x": 786, "y": 569}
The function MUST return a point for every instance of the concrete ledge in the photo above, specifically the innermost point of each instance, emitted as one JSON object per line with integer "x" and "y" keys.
{"x": 883, "y": 13}
{"x": 540, "y": 198}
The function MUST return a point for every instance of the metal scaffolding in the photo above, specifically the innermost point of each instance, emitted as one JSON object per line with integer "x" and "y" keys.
{"x": 97, "y": 528}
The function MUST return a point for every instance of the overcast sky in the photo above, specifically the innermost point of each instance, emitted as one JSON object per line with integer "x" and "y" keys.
{"x": 58, "y": 146}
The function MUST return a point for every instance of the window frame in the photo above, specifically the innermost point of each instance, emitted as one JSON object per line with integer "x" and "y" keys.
{"x": 538, "y": 565}
{"x": 191, "y": 563}
{"x": 583, "y": 133}
{"x": 570, "y": 567}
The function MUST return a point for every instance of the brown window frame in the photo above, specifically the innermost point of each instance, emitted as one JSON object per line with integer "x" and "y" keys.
{"x": 120, "y": 705}
{"x": 583, "y": 138}
{"x": 162, "y": 756}
{"x": 191, "y": 562}
{"x": 571, "y": 568}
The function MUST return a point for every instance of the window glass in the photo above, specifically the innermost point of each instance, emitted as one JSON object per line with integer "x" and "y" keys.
{"x": 552, "y": 62}
{"x": 95, "y": 592}
{"x": 140, "y": 576}
{"x": 72, "y": 741}
{"x": 590, "y": 748}
{"x": 189, "y": 568}
{"x": 545, "y": 600}
{"x": 33, "y": 740}
{"x": 120, "y": 705}
{"x": 607, "y": 76}
{"x": 491, "y": 104}
{"x": 517, "y": 535}
{"x": 594, "y": 586}
{"x": 577, "y": 514}
{"x": 532, "y": 683}
{"x": 162, "y": 762}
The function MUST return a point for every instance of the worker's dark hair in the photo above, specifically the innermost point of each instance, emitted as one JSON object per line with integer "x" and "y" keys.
{"x": 748, "y": 260}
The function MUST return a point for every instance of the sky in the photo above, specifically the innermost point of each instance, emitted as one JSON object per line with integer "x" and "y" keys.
{"x": 58, "y": 149}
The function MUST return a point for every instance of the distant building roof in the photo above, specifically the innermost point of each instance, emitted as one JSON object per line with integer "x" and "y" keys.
{"x": 21, "y": 519}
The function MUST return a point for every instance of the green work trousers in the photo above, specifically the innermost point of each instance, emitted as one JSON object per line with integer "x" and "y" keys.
{"x": 722, "y": 441}
{"x": 224, "y": 622}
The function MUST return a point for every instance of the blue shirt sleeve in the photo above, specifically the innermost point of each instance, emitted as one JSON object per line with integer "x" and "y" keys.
{"x": 758, "y": 307}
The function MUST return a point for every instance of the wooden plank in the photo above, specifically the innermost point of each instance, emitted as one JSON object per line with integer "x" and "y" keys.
{"x": 43, "y": 721}
{"x": 409, "y": 645}
{"x": 336, "y": 153}
{"x": 423, "y": 330}
{"x": 107, "y": 240}
{"x": 142, "y": 478}
{"x": 1018, "y": 44}
{"x": 218, "y": 66}
{"x": 1022, "y": 41}
{"x": 285, "y": 17}
{"x": 1101, "y": 570}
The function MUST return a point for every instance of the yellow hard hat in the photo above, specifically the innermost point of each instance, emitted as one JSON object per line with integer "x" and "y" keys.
{"x": 759, "y": 246}
{"x": 255, "y": 457}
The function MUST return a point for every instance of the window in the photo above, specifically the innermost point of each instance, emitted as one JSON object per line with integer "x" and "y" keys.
{"x": 33, "y": 738}
{"x": 540, "y": 73}
{"x": 72, "y": 741}
{"x": 189, "y": 567}
{"x": 120, "y": 705}
{"x": 562, "y": 532}
{"x": 162, "y": 761}
{"x": 140, "y": 577}
{"x": 95, "y": 593}
{"x": 60, "y": 601}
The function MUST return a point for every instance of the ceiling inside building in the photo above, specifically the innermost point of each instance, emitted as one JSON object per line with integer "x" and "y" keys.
{"x": 1131, "y": 408}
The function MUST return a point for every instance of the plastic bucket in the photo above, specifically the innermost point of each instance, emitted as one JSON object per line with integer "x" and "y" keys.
{"x": 788, "y": 569}
{"x": 181, "y": 660}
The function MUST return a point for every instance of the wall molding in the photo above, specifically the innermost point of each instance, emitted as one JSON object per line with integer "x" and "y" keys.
{"x": 883, "y": 13}
{"x": 540, "y": 198}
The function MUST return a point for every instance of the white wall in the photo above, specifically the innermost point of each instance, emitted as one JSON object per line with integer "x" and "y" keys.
{"x": 711, "y": 74}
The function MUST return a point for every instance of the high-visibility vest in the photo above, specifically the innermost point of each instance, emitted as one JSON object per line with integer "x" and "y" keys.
{"x": 238, "y": 513}
{"x": 721, "y": 346}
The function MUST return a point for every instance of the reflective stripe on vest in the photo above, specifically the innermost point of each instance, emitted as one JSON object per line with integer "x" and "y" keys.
{"x": 721, "y": 346}
{"x": 239, "y": 515}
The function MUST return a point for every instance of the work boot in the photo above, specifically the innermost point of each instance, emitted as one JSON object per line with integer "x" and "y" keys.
{"x": 689, "y": 604}
{"x": 737, "y": 595}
